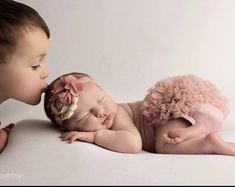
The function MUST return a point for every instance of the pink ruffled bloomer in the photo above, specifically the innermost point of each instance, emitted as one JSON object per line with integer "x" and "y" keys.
{"x": 178, "y": 96}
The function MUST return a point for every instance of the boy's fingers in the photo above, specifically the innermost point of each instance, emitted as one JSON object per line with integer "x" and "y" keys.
{"x": 9, "y": 127}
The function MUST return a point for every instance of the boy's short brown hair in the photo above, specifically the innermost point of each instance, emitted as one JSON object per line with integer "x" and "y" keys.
{"x": 15, "y": 19}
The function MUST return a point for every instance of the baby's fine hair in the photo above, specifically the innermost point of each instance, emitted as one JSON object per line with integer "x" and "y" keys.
{"x": 15, "y": 19}
{"x": 49, "y": 95}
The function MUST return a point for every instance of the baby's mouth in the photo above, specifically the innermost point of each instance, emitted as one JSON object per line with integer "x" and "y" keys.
{"x": 106, "y": 120}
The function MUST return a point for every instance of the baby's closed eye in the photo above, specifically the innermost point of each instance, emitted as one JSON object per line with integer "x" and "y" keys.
{"x": 82, "y": 117}
{"x": 101, "y": 99}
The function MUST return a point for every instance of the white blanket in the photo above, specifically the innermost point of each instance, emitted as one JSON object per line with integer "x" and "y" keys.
{"x": 35, "y": 155}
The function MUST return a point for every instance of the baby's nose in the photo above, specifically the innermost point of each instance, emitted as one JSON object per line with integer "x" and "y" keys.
{"x": 102, "y": 115}
{"x": 98, "y": 112}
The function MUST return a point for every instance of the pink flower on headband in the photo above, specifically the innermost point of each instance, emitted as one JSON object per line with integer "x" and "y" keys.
{"x": 67, "y": 88}
{"x": 65, "y": 95}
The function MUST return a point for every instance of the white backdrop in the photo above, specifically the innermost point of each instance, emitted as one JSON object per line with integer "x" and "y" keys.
{"x": 127, "y": 45}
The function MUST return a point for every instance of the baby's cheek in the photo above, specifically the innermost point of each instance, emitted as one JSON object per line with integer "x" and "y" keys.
{"x": 94, "y": 125}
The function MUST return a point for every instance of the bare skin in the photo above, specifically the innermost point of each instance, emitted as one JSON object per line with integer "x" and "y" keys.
{"x": 23, "y": 78}
{"x": 211, "y": 143}
{"x": 121, "y": 137}
{"x": 4, "y": 133}
{"x": 206, "y": 122}
{"x": 100, "y": 120}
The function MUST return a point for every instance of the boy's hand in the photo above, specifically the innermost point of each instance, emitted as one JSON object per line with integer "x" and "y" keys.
{"x": 76, "y": 135}
{"x": 8, "y": 128}
{"x": 4, "y": 132}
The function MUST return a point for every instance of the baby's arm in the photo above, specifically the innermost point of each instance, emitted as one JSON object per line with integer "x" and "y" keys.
{"x": 122, "y": 137}
{"x": 71, "y": 136}
{"x": 120, "y": 141}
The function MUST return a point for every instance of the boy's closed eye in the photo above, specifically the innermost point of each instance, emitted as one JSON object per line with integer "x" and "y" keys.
{"x": 35, "y": 67}
{"x": 38, "y": 61}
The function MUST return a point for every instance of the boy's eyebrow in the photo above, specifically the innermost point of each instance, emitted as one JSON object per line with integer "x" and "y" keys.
{"x": 41, "y": 55}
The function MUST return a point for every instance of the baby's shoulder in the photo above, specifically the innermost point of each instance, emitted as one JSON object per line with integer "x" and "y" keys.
{"x": 127, "y": 108}
{"x": 124, "y": 119}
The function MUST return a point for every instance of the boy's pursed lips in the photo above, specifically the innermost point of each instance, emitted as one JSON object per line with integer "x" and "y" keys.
{"x": 44, "y": 89}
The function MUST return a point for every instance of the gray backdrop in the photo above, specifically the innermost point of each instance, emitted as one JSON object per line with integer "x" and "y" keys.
{"x": 127, "y": 45}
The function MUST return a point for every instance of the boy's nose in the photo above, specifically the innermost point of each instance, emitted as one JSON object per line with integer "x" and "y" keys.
{"x": 44, "y": 73}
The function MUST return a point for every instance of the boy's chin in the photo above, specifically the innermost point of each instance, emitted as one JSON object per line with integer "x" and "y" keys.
{"x": 34, "y": 102}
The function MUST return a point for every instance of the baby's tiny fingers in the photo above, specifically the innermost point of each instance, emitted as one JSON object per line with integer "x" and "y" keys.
{"x": 178, "y": 140}
{"x": 72, "y": 139}
{"x": 167, "y": 139}
{"x": 61, "y": 136}
{"x": 67, "y": 136}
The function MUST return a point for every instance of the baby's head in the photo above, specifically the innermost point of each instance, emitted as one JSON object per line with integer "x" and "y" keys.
{"x": 16, "y": 19}
{"x": 75, "y": 102}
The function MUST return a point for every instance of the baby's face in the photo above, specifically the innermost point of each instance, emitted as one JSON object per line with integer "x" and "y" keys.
{"x": 96, "y": 110}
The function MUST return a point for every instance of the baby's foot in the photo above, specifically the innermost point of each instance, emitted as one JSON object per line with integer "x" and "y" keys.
{"x": 182, "y": 134}
{"x": 169, "y": 139}
{"x": 176, "y": 135}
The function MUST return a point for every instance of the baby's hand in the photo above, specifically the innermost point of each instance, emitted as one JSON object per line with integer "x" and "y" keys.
{"x": 76, "y": 135}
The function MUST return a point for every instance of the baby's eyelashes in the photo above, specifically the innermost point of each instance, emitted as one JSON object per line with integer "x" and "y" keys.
{"x": 81, "y": 118}
{"x": 86, "y": 115}
{"x": 101, "y": 99}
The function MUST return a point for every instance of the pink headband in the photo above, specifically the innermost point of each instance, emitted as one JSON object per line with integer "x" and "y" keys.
{"x": 65, "y": 96}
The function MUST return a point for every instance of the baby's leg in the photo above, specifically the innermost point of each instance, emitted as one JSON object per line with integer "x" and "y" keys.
{"x": 179, "y": 130}
{"x": 210, "y": 144}
{"x": 208, "y": 120}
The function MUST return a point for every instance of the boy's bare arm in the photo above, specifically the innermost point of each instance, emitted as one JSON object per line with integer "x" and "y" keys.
{"x": 4, "y": 133}
{"x": 3, "y": 139}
